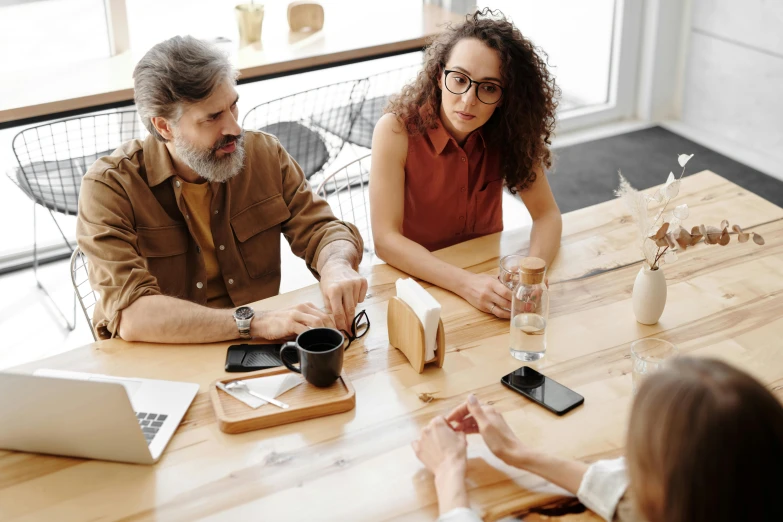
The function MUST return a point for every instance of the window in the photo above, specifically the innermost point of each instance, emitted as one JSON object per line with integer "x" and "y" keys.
{"x": 44, "y": 34}
{"x": 577, "y": 36}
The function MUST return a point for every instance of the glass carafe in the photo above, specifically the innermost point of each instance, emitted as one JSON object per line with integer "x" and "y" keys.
{"x": 530, "y": 312}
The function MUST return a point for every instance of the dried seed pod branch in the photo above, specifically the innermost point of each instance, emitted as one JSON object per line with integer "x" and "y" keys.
{"x": 681, "y": 239}
{"x": 661, "y": 235}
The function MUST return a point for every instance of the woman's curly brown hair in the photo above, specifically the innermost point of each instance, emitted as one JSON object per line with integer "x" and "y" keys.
{"x": 523, "y": 125}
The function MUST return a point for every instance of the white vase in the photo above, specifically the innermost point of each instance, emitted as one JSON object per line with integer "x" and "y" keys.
{"x": 649, "y": 295}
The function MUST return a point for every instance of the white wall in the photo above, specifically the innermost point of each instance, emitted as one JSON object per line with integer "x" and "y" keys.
{"x": 733, "y": 83}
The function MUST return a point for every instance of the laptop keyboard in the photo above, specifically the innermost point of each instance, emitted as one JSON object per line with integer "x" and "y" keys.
{"x": 150, "y": 423}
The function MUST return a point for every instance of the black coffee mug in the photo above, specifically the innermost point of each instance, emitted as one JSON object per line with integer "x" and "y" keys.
{"x": 320, "y": 355}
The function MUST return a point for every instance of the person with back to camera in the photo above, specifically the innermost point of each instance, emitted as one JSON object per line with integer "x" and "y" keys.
{"x": 704, "y": 444}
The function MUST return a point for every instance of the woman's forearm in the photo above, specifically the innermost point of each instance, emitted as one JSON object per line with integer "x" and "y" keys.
{"x": 414, "y": 259}
{"x": 450, "y": 485}
{"x": 545, "y": 237}
{"x": 565, "y": 473}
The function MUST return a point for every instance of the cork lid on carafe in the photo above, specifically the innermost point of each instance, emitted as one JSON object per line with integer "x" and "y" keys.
{"x": 532, "y": 270}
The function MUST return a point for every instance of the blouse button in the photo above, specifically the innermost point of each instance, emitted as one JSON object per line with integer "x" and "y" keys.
{"x": 199, "y": 285}
{"x": 464, "y": 159}
{"x": 176, "y": 183}
{"x": 231, "y": 281}
{"x": 464, "y": 189}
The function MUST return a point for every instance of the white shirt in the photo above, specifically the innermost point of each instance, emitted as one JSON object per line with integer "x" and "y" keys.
{"x": 601, "y": 489}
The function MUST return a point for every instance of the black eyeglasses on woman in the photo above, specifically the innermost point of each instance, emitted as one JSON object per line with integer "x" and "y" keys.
{"x": 459, "y": 83}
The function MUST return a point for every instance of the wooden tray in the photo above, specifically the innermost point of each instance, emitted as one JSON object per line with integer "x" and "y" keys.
{"x": 305, "y": 400}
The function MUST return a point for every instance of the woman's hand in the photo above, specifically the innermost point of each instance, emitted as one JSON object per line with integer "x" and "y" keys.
{"x": 443, "y": 451}
{"x": 472, "y": 417}
{"x": 440, "y": 448}
{"x": 487, "y": 294}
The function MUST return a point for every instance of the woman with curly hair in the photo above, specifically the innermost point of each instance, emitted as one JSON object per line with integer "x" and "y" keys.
{"x": 478, "y": 116}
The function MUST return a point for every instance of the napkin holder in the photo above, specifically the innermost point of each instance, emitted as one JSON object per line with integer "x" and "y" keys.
{"x": 406, "y": 333}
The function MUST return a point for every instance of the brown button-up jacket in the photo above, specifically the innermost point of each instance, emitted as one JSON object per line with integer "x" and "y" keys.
{"x": 134, "y": 228}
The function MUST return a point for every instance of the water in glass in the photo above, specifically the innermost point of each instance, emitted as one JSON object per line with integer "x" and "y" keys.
{"x": 529, "y": 312}
{"x": 528, "y": 337}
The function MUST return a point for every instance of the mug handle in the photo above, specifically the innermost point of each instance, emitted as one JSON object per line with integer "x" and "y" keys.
{"x": 288, "y": 365}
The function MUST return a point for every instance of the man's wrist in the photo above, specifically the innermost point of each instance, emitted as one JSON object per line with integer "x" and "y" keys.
{"x": 337, "y": 261}
{"x": 339, "y": 250}
{"x": 257, "y": 326}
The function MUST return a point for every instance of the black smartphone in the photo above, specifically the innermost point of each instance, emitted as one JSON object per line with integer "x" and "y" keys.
{"x": 541, "y": 389}
{"x": 251, "y": 357}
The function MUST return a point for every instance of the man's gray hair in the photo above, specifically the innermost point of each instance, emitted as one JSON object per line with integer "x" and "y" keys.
{"x": 176, "y": 72}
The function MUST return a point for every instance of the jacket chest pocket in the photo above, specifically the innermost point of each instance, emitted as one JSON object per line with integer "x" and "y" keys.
{"x": 257, "y": 229}
{"x": 165, "y": 251}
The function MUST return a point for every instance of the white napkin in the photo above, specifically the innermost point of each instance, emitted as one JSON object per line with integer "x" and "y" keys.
{"x": 271, "y": 386}
{"x": 426, "y": 308}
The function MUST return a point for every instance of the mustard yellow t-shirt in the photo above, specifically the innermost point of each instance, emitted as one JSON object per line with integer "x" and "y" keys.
{"x": 198, "y": 197}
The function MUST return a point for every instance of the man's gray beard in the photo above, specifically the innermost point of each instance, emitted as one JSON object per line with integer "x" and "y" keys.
{"x": 205, "y": 162}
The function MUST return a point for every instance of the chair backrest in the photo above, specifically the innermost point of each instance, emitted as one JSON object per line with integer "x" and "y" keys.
{"x": 80, "y": 278}
{"x": 54, "y": 156}
{"x": 311, "y": 125}
{"x": 347, "y": 192}
{"x": 380, "y": 88}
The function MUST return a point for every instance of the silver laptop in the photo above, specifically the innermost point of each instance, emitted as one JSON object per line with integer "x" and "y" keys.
{"x": 90, "y": 415}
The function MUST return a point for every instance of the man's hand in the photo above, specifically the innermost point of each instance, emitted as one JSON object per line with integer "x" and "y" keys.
{"x": 342, "y": 288}
{"x": 288, "y": 322}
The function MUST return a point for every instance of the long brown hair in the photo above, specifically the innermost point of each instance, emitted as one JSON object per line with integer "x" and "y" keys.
{"x": 522, "y": 126}
{"x": 705, "y": 443}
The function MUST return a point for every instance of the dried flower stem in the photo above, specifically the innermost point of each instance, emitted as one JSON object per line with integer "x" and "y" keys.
{"x": 666, "y": 203}
{"x": 657, "y": 257}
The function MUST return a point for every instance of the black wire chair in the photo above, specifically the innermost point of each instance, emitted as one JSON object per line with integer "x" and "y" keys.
{"x": 80, "y": 278}
{"x": 380, "y": 87}
{"x": 54, "y": 157}
{"x": 347, "y": 192}
{"x": 311, "y": 125}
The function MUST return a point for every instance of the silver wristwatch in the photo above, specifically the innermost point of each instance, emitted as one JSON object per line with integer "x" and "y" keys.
{"x": 243, "y": 316}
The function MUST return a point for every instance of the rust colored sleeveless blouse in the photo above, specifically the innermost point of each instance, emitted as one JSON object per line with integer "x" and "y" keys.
{"x": 452, "y": 193}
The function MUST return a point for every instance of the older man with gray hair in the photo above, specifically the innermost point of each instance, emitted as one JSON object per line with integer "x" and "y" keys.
{"x": 184, "y": 227}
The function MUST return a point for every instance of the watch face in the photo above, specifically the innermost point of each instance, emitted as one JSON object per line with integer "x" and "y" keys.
{"x": 244, "y": 312}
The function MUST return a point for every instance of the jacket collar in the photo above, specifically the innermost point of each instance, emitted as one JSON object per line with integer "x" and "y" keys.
{"x": 157, "y": 161}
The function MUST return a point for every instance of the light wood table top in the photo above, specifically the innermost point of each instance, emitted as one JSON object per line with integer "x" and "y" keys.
{"x": 723, "y": 301}
{"x": 353, "y": 31}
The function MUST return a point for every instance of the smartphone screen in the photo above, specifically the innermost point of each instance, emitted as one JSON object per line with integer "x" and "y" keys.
{"x": 251, "y": 357}
{"x": 541, "y": 389}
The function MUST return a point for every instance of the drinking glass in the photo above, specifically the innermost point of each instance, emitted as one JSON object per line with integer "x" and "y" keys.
{"x": 510, "y": 268}
{"x": 648, "y": 356}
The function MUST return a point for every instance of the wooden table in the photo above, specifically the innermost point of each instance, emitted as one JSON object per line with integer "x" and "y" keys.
{"x": 723, "y": 301}
{"x": 353, "y": 32}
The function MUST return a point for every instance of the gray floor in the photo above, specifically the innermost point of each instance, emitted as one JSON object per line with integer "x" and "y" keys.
{"x": 586, "y": 174}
